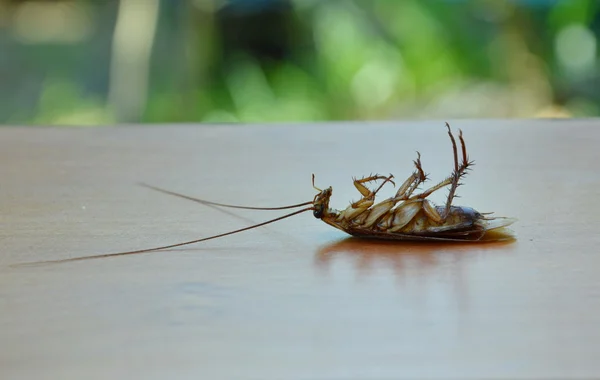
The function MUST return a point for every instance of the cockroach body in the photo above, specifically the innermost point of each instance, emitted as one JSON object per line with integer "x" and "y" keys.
{"x": 410, "y": 217}
{"x": 405, "y": 216}
{"x": 413, "y": 220}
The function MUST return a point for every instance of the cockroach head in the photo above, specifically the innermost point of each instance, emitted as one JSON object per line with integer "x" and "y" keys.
{"x": 321, "y": 202}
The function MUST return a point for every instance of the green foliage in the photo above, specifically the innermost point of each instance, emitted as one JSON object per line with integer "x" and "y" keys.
{"x": 342, "y": 60}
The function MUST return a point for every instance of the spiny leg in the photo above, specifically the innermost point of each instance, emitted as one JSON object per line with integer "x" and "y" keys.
{"x": 404, "y": 192}
{"x": 368, "y": 197}
{"x": 387, "y": 179}
{"x": 450, "y": 180}
{"x": 366, "y": 193}
{"x": 380, "y": 209}
{"x": 460, "y": 170}
{"x": 412, "y": 182}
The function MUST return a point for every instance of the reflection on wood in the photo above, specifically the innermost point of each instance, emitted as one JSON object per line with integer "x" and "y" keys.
{"x": 368, "y": 253}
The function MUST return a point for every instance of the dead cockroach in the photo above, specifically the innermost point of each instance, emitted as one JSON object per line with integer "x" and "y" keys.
{"x": 405, "y": 216}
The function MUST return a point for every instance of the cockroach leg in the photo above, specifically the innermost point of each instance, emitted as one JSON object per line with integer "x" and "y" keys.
{"x": 366, "y": 193}
{"x": 387, "y": 179}
{"x": 432, "y": 213}
{"x": 380, "y": 209}
{"x": 454, "y": 151}
{"x": 460, "y": 170}
{"x": 421, "y": 174}
{"x": 412, "y": 182}
{"x": 368, "y": 197}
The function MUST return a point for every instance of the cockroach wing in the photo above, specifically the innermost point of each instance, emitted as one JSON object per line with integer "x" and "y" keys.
{"x": 489, "y": 224}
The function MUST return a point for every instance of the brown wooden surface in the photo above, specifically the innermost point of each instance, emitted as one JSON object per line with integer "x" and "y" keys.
{"x": 297, "y": 299}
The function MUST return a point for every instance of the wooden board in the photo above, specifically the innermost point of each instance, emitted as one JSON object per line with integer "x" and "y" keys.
{"x": 296, "y": 299}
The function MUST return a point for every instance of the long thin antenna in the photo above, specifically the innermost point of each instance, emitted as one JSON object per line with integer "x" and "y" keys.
{"x": 170, "y": 245}
{"x": 220, "y": 204}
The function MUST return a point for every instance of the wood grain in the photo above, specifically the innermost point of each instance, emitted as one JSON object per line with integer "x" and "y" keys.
{"x": 296, "y": 299}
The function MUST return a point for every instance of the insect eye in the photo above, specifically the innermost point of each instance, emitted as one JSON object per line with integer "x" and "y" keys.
{"x": 318, "y": 211}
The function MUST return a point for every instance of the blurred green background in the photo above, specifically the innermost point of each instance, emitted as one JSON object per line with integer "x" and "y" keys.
{"x": 90, "y": 62}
